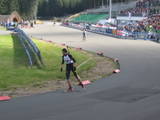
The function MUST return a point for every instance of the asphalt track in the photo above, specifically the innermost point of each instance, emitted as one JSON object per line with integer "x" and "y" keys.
{"x": 2, "y": 32}
{"x": 133, "y": 94}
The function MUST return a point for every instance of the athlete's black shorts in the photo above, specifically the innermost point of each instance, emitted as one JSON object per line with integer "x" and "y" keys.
{"x": 69, "y": 68}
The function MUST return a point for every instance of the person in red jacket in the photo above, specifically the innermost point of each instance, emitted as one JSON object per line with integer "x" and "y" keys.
{"x": 70, "y": 66}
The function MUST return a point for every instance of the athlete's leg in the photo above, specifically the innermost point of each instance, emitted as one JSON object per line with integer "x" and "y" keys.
{"x": 84, "y": 37}
{"x": 77, "y": 77}
{"x": 69, "y": 85}
{"x": 68, "y": 78}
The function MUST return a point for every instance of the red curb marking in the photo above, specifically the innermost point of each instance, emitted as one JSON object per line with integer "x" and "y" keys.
{"x": 49, "y": 41}
{"x": 86, "y": 82}
{"x": 116, "y": 60}
{"x": 4, "y": 98}
{"x": 117, "y": 71}
{"x": 100, "y": 53}
{"x": 63, "y": 44}
{"x": 78, "y": 48}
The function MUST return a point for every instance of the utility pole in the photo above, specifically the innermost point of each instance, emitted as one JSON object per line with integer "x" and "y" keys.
{"x": 110, "y": 9}
{"x": 102, "y": 3}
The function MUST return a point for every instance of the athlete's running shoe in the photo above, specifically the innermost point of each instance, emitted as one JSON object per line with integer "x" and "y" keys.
{"x": 81, "y": 84}
{"x": 70, "y": 89}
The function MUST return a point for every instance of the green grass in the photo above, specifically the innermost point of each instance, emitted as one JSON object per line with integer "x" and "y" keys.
{"x": 2, "y": 28}
{"x": 14, "y": 70}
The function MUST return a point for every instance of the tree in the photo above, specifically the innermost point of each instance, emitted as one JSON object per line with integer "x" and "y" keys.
{"x": 28, "y": 9}
{"x": 13, "y": 5}
{"x": 4, "y": 8}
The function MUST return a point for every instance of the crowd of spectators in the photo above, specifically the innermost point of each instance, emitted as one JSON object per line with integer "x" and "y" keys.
{"x": 24, "y": 24}
{"x": 143, "y": 8}
{"x": 150, "y": 27}
{"x": 152, "y": 23}
{"x": 135, "y": 12}
{"x": 147, "y": 3}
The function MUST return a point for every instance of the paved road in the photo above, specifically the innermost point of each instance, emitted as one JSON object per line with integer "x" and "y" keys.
{"x": 2, "y": 32}
{"x": 134, "y": 94}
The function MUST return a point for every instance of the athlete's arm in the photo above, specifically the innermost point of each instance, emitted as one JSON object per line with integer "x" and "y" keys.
{"x": 74, "y": 64}
{"x": 72, "y": 58}
{"x": 62, "y": 64}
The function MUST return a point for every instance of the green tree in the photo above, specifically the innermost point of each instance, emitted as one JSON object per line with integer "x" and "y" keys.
{"x": 14, "y": 5}
{"x": 4, "y": 8}
{"x": 47, "y": 8}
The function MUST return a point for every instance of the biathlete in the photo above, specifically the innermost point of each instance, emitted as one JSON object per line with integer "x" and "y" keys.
{"x": 70, "y": 66}
{"x": 84, "y": 34}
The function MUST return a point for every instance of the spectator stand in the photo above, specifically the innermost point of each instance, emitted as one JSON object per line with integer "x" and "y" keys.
{"x": 140, "y": 22}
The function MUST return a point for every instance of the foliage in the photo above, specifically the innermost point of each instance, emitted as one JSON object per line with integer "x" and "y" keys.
{"x": 49, "y": 8}
{"x": 27, "y": 8}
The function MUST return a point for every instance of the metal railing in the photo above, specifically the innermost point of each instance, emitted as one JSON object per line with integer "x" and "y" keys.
{"x": 124, "y": 35}
{"x": 32, "y": 51}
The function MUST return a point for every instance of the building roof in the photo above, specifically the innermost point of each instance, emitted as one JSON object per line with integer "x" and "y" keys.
{"x": 14, "y": 15}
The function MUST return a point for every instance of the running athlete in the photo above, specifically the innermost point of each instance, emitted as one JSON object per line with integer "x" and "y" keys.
{"x": 84, "y": 34}
{"x": 70, "y": 61}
